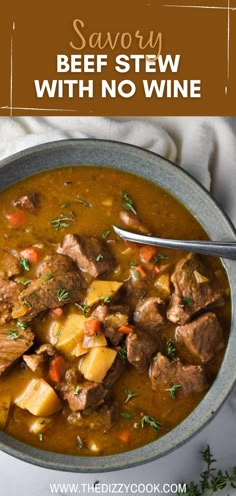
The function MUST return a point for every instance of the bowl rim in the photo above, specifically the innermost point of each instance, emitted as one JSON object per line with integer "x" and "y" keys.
{"x": 226, "y": 377}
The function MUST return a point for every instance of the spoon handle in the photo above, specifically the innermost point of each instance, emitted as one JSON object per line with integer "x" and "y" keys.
{"x": 222, "y": 249}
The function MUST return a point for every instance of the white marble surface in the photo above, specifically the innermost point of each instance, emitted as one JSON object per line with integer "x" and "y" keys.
{"x": 184, "y": 464}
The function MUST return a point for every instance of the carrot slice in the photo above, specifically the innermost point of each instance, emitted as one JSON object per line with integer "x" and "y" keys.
{"x": 141, "y": 271}
{"x": 32, "y": 254}
{"x": 147, "y": 253}
{"x": 56, "y": 368}
{"x": 57, "y": 313}
{"x": 125, "y": 329}
{"x": 17, "y": 219}
{"x": 124, "y": 436}
{"x": 92, "y": 327}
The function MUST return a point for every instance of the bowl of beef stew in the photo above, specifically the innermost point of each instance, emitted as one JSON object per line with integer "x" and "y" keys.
{"x": 112, "y": 354}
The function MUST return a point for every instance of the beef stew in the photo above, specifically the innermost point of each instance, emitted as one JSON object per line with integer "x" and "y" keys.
{"x": 104, "y": 345}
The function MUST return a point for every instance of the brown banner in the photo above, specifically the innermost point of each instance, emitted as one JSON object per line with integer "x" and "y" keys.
{"x": 124, "y": 57}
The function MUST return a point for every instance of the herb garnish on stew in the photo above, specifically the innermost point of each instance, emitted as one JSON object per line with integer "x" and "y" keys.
{"x": 62, "y": 295}
{"x": 149, "y": 420}
{"x": 63, "y": 221}
{"x": 173, "y": 390}
{"x": 24, "y": 262}
{"x": 128, "y": 203}
{"x": 130, "y": 395}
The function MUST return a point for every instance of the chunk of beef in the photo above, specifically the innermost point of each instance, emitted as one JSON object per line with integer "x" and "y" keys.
{"x": 73, "y": 376}
{"x": 149, "y": 313}
{"x": 114, "y": 373}
{"x": 203, "y": 337}
{"x": 111, "y": 326}
{"x": 33, "y": 361}
{"x": 27, "y": 202}
{"x": 9, "y": 294}
{"x": 43, "y": 294}
{"x": 46, "y": 349}
{"x": 55, "y": 263}
{"x": 100, "y": 312}
{"x": 112, "y": 318}
{"x": 165, "y": 373}
{"x": 85, "y": 395}
{"x": 141, "y": 346}
{"x": 101, "y": 419}
{"x": 194, "y": 289}
{"x": 109, "y": 412}
{"x": 13, "y": 345}
{"x": 134, "y": 290}
{"x": 9, "y": 265}
{"x": 90, "y": 254}
{"x": 132, "y": 222}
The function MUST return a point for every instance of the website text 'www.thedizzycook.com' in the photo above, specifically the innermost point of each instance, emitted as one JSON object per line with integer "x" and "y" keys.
{"x": 115, "y": 488}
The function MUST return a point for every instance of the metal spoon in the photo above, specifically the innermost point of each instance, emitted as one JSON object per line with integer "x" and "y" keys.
{"x": 224, "y": 249}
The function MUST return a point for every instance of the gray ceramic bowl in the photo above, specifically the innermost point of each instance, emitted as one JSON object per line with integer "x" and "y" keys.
{"x": 218, "y": 227}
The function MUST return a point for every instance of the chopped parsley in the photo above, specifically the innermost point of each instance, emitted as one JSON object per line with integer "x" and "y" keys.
{"x": 158, "y": 258}
{"x": 123, "y": 353}
{"x": 21, "y": 325}
{"x": 105, "y": 234}
{"x": 26, "y": 303}
{"x": 143, "y": 294}
{"x": 26, "y": 282}
{"x": 62, "y": 295}
{"x": 128, "y": 203}
{"x": 106, "y": 299}
{"x": 137, "y": 274}
{"x": 24, "y": 262}
{"x": 66, "y": 204}
{"x": 48, "y": 276}
{"x": 77, "y": 390}
{"x": 129, "y": 395}
{"x": 126, "y": 415}
{"x": 85, "y": 309}
{"x": 12, "y": 334}
{"x": 40, "y": 436}
{"x": 171, "y": 350}
{"x": 133, "y": 265}
{"x": 62, "y": 222}
{"x": 187, "y": 301}
{"x": 99, "y": 258}
{"x": 173, "y": 389}
{"x": 148, "y": 420}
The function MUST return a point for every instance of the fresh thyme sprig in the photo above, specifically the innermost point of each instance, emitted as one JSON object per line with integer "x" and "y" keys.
{"x": 62, "y": 222}
{"x": 148, "y": 420}
{"x": 212, "y": 480}
{"x": 171, "y": 350}
{"x": 128, "y": 203}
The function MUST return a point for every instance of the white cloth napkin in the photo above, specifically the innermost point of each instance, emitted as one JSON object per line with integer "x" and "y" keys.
{"x": 206, "y": 147}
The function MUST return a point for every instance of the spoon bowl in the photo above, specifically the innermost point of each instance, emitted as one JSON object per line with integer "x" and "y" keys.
{"x": 224, "y": 249}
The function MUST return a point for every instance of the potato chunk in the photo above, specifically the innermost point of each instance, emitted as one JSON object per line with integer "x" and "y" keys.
{"x": 67, "y": 336}
{"x": 39, "y": 425}
{"x": 163, "y": 284}
{"x": 38, "y": 398}
{"x": 99, "y": 290}
{"x": 5, "y": 403}
{"x": 95, "y": 365}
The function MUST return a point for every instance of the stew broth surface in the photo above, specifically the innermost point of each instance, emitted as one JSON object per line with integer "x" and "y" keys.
{"x": 91, "y": 198}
